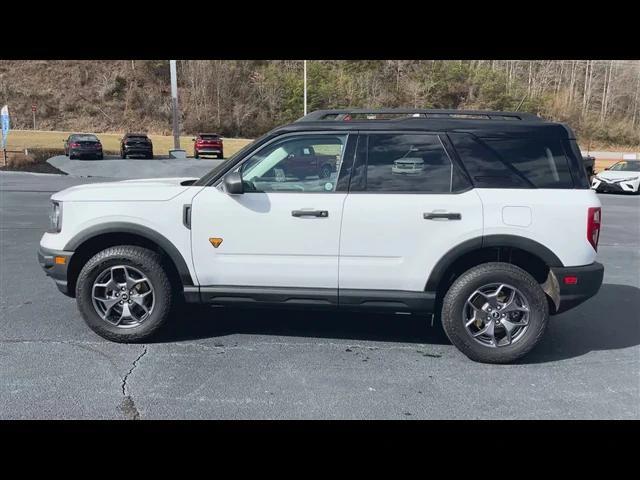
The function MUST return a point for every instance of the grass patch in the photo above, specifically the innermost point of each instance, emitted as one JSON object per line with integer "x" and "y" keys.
{"x": 35, "y": 139}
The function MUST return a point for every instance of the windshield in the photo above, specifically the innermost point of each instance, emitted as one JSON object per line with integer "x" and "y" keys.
{"x": 207, "y": 177}
{"x": 627, "y": 166}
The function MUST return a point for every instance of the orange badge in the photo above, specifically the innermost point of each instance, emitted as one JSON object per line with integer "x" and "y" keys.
{"x": 215, "y": 242}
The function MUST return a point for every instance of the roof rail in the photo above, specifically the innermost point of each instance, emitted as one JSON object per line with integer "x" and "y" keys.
{"x": 408, "y": 113}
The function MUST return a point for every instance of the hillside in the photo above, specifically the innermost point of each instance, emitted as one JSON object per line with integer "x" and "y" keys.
{"x": 599, "y": 99}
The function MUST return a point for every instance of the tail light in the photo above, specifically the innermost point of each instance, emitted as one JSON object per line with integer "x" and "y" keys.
{"x": 594, "y": 215}
{"x": 74, "y": 145}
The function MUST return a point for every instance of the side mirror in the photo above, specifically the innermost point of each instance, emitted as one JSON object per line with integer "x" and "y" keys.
{"x": 233, "y": 184}
{"x": 193, "y": 139}
{"x": 607, "y": 168}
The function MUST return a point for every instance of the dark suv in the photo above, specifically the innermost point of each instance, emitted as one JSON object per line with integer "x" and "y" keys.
{"x": 304, "y": 162}
{"x": 136, "y": 144}
{"x": 79, "y": 145}
{"x": 208, "y": 144}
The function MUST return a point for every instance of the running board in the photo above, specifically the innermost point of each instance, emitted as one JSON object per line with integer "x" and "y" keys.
{"x": 317, "y": 298}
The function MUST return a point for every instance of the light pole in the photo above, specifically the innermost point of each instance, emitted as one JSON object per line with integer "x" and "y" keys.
{"x": 174, "y": 104}
{"x": 305, "y": 87}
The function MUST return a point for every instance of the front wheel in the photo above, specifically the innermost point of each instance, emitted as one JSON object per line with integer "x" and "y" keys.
{"x": 124, "y": 293}
{"x": 495, "y": 313}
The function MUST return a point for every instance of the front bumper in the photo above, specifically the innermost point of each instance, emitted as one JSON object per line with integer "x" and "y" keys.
{"x": 615, "y": 187}
{"x": 588, "y": 280}
{"x": 56, "y": 269}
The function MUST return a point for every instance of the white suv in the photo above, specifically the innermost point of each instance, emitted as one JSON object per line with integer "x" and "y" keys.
{"x": 497, "y": 230}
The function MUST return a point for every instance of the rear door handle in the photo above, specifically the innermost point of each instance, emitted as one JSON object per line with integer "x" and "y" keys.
{"x": 310, "y": 213}
{"x": 442, "y": 216}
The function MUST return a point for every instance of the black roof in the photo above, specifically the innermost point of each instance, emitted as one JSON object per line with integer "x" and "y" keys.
{"x": 135, "y": 134}
{"x": 480, "y": 122}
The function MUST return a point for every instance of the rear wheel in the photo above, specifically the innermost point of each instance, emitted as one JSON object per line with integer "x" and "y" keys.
{"x": 124, "y": 293}
{"x": 124, "y": 155}
{"x": 195, "y": 154}
{"x": 495, "y": 313}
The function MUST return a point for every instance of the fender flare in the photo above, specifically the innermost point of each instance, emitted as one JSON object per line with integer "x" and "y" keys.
{"x": 528, "y": 245}
{"x": 135, "y": 229}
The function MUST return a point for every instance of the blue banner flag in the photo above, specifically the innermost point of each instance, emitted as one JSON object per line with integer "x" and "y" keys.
{"x": 4, "y": 117}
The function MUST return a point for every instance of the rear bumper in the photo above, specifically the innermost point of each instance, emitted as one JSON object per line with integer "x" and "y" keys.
{"x": 85, "y": 152}
{"x": 208, "y": 151}
{"x": 138, "y": 150}
{"x": 57, "y": 271}
{"x": 588, "y": 280}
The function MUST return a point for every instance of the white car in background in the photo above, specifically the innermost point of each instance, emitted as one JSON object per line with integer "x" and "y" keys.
{"x": 623, "y": 176}
{"x": 407, "y": 166}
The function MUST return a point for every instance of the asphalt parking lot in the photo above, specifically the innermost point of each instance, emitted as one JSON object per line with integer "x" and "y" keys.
{"x": 257, "y": 364}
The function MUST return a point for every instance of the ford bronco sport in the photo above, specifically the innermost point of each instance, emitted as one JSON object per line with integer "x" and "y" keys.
{"x": 496, "y": 230}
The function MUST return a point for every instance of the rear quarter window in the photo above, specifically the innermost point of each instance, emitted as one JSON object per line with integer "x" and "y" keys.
{"x": 514, "y": 162}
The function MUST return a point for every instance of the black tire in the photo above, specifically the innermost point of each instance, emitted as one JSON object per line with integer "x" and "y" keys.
{"x": 142, "y": 259}
{"x": 71, "y": 156}
{"x": 195, "y": 154}
{"x": 101, "y": 156}
{"x": 220, "y": 156}
{"x": 124, "y": 156}
{"x": 150, "y": 156}
{"x": 484, "y": 274}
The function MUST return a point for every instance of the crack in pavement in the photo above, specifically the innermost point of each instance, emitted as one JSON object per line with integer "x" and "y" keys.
{"x": 128, "y": 406}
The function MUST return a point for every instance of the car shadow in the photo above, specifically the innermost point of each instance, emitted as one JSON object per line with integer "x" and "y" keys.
{"x": 197, "y": 322}
{"x": 608, "y": 321}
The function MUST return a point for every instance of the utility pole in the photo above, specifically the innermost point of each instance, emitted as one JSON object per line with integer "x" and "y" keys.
{"x": 305, "y": 87}
{"x": 174, "y": 104}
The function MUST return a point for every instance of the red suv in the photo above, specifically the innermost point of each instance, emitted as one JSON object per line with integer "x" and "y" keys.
{"x": 208, "y": 144}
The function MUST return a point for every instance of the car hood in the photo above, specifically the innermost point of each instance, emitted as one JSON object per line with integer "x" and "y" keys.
{"x": 615, "y": 175}
{"x": 148, "y": 189}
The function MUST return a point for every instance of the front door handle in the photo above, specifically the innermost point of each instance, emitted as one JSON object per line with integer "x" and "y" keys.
{"x": 442, "y": 216}
{"x": 310, "y": 213}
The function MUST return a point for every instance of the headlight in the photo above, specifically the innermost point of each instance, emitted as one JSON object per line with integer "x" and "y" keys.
{"x": 55, "y": 224}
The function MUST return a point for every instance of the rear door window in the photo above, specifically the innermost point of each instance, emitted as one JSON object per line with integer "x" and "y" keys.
{"x": 403, "y": 163}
